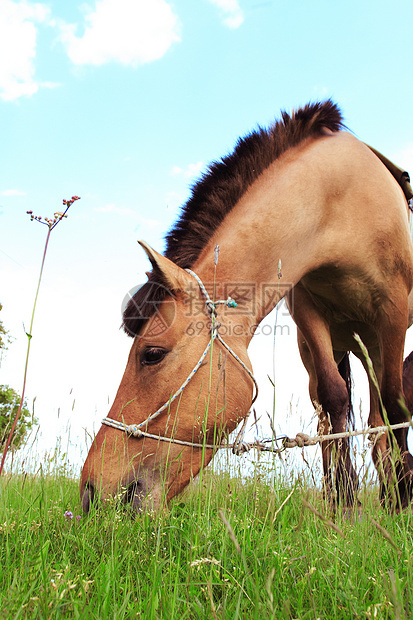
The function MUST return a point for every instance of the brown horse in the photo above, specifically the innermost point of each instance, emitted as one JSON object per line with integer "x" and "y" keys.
{"x": 303, "y": 210}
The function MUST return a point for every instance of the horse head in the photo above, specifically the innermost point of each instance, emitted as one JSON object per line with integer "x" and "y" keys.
{"x": 180, "y": 384}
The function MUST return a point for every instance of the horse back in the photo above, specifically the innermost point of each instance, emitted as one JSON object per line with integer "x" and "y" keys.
{"x": 364, "y": 251}
{"x": 365, "y": 211}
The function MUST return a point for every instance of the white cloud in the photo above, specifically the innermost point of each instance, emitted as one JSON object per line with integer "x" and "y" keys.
{"x": 126, "y": 211}
{"x": 231, "y": 12}
{"x": 18, "y": 34}
{"x": 13, "y": 192}
{"x": 132, "y": 32}
{"x": 151, "y": 224}
{"x": 191, "y": 170}
{"x": 321, "y": 92}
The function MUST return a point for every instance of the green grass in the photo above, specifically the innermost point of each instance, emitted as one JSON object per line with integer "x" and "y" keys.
{"x": 228, "y": 548}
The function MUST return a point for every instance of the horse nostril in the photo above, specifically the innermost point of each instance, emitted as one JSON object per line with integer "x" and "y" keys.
{"x": 134, "y": 494}
{"x": 88, "y": 496}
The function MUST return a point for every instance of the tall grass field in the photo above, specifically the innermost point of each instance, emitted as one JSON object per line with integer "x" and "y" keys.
{"x": 255, "y": 543}
{"x": 255, "y": 547}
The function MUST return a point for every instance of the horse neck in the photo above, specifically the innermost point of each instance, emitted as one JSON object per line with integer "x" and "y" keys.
{"x": 268, "y": 241}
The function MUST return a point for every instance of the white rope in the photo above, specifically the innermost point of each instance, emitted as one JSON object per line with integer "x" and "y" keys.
{"x": 211, "y": 305}
{"x": 301, "y": 440}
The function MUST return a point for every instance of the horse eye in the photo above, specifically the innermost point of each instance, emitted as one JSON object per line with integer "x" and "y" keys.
{"x": 153, "y": 355}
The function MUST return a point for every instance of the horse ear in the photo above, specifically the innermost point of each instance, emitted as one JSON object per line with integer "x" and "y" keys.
{"x": 175, "y": 278}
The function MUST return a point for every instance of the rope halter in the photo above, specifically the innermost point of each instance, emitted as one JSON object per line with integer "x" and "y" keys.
{"x": 139, "y": 430}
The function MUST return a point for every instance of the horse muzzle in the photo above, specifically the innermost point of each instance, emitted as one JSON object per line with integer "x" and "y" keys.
{"x": 141, "y": 493}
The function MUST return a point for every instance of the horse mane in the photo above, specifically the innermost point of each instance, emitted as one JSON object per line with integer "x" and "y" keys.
{"x": 220, "y": 189}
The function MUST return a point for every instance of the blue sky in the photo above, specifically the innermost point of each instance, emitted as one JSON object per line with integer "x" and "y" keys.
{"x": 124, "y": 103}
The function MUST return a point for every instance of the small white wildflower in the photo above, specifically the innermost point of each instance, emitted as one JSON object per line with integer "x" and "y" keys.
{"x": 204, "y": 561}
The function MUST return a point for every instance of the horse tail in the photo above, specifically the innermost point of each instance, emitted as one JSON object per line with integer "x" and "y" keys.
{"x": 345, "y": 372}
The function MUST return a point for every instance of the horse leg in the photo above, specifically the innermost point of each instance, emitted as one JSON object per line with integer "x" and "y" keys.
{"x": 324, "y": 425}
{"x": 380, "y": 449}
{"x": 397, "y": 460}
{"x": 331, "y": 389}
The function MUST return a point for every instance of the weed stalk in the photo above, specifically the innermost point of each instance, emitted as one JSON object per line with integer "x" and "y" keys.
{"x": 51, "y": 225}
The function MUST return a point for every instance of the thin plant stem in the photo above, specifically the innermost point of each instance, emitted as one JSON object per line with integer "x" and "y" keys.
{"x": 29, "y": 336}
{"x": 51, "y": 224}
{"x": 205, "y": 416}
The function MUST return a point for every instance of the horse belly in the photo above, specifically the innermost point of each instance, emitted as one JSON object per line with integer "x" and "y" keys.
{"x": 348, "y": 303}
{"x": 344, "y": 295}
